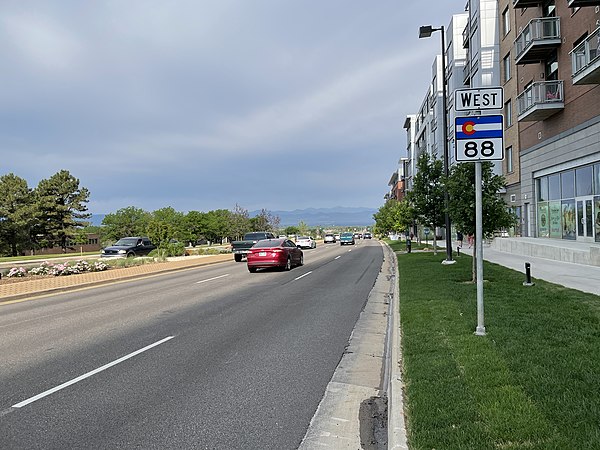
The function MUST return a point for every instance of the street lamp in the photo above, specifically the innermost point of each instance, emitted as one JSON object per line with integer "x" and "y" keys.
{"x": 425, "y": 32}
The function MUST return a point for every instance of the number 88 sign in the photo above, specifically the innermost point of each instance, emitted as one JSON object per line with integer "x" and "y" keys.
{"x": 479, "y": 138}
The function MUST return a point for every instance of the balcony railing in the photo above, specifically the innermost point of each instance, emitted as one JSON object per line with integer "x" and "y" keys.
{"x": 526, "y": 3}
{"x": 540, "y": 100}
{"x": 585, "y": 59}
{"x": 465, "y": 35}
{"x": 577, "y": 3}
{"x": 537, "y": 40}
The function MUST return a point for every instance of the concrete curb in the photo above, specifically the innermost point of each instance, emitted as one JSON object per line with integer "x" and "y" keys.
{"x": 396, "y": 424}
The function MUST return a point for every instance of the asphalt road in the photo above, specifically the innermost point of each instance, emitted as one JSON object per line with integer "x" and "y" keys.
{"x": 213, "y": 358}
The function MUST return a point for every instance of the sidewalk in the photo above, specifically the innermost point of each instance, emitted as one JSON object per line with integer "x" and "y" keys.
{"x": 582, "y": 277}
{"x": 14, "y": 290}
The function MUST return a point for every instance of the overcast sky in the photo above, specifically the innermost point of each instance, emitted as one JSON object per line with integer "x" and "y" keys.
{"x": 199, "y": 105}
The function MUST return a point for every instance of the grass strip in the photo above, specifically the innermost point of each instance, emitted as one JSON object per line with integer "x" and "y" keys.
{"x": 530, "y": 383}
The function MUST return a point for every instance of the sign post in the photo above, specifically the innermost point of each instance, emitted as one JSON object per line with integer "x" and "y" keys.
{"x": 477, "y": 139}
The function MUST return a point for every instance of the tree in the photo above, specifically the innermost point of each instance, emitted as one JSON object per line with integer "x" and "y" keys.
{"x": 239, "y": 222}
{"x": 171, "y": 223}
{"x": 15, "y": 213}
{"x": 461, "y": 189}
{"x": 130, "y": 221}
{"x": 291, "y": 230}
{"x": 218, "y": 225}
{"x": 394, "y": 216}
{"x": 427, "y": 194}
{"x": 60, "y": 204}
{"x": 264, "y": 221}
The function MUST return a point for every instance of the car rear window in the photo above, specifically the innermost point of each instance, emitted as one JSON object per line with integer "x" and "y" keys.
{"x": 266, "y": 243}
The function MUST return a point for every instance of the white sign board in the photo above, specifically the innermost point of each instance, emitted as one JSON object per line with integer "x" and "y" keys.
{"x": 479, "y": 138}
{"x": 478, "y": 99}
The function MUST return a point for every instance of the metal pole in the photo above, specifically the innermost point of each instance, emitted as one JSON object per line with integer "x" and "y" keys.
{"x": 480, "y": 330}
{"x": 446, "y": 161}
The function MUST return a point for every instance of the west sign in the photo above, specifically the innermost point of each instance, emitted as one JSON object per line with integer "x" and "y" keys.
{"x": 478, "y": 99}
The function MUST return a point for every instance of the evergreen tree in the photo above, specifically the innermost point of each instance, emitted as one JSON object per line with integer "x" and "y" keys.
{"x": 60, "y": 206}
{"x": 16, "y": 214}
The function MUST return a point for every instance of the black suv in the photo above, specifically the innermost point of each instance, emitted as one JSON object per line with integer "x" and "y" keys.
{"x": 128, "y": 247}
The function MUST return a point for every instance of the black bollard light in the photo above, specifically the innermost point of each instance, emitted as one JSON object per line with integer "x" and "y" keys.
{"x": 527, "y": 281}
{"x": 457, "y": 250}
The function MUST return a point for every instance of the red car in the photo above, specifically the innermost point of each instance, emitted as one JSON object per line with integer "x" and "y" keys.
{"x": 281, "y": 253}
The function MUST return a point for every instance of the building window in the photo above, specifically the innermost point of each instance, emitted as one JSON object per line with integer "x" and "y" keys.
{"x": 508, "y": 113}
{"x": 597, "y": 179}
{"x": 505, "y": 22}
{"x": 509, "y": 160}
{"x": 506, "y": 67}
{"x": 554, "y": 187}
{"x": 583, "y": 181}
{"x": 567, "y": 184}
{"x": 542, "y": 189}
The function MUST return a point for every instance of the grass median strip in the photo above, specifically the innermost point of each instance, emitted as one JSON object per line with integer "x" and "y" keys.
{"x": 530, "y": 383}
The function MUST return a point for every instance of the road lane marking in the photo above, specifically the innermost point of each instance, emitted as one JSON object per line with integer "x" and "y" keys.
{"x": 214, "y": 278}
{"x": 302, "y": 276}
{"x": 337, "y": 257}
{"x": 89, "y": 374}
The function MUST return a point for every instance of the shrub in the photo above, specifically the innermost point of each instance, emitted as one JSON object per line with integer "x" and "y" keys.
{"x": 17, "y": 272}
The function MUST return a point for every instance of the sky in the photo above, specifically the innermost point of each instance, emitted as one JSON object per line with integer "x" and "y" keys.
{"x": 208, "y": 104}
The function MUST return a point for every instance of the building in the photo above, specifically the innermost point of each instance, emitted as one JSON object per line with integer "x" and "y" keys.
{"x": 556, "y": 52}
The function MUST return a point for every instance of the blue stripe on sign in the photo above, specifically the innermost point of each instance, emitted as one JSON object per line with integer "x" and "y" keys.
{"x": 479, "y": 119}
{"x": 485, "y": 134}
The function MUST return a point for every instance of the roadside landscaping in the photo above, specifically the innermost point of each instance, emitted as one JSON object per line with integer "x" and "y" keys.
{"x": 530, "y": 383}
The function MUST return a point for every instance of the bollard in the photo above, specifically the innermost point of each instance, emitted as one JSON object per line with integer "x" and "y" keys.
{"x": 527, "y": 281}
{"x": 408, "y": 246}
{"x": 458, "y": 250}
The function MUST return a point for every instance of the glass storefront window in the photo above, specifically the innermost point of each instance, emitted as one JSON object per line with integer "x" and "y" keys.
{"x": 597, "y": 179}
{"x": 567, "y": 184}
{"x": 554, "y": 187}
{"x": 583, "y": 181}
{"x": 542, "y": 189}
{"x": 554, "y": 212}
{"x": 543, "y": 220}
{"x": 568, "y": 219}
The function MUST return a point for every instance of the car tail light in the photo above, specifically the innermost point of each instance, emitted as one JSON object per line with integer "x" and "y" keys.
{"x": 277, "y": 250}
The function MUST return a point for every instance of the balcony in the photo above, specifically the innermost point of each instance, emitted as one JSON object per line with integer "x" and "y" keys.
{"x": 538, "y": 40}
{"x": 526, "y": 3}
{"x": 577, "y": 3}
{"x": 540, "y": 101}
{"x": 466, "y": 34}
{"x": 585, "y": 59}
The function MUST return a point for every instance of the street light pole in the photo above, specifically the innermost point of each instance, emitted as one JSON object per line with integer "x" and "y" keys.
{"x": 425, "y": 32}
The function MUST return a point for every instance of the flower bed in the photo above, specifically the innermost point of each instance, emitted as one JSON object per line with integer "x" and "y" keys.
{"x": 60, "y": 269}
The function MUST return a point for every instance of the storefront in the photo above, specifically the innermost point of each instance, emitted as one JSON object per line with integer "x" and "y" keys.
{"x": 568, "y": 204}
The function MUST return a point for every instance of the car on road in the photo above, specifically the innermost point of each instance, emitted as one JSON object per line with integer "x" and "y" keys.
{"x": 128, "y": 247}
{"x": 367, "y": 235}
{"x": 280, "y": 253}
{"x": 306, "y": 242}
{"x": 329, "y": 239}
{"x": 347, "y": 239}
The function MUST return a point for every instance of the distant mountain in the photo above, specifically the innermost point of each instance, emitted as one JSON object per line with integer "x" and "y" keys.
{"x": 313, "y": 217}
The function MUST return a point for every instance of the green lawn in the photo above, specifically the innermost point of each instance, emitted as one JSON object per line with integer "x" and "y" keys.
{"x": 533, "y": 382}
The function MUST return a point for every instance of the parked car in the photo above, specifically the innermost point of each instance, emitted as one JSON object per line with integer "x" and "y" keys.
{"x": 128, "y": 247}
{"x": 306, "y": 242}
{"x": 347, "y": 239}
{"x": 329, "y": 239}
{"x": 281, "y": 253}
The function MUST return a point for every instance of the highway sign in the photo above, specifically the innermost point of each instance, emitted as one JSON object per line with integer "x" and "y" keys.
{"x": 479, "y": 138}
{"x": 478, "y": 99}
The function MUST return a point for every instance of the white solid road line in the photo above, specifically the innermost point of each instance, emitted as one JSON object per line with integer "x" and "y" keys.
{"x": 89, "y": 374}
{"x": 302, "y": 276}
{"x": 214, "y": 278}
{"x": 337, "y": 257}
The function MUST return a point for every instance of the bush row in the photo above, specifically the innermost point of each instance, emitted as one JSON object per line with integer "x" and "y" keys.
{"x": 69, "y": 268}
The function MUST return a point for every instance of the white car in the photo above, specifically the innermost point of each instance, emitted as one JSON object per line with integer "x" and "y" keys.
{"x": 306, "y": 242}
{"x": 329, "y": 239}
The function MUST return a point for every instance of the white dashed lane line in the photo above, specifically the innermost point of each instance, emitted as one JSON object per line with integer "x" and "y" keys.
{"x": 89, "y": 374}
{"x": 211, "y": 279}
{"x": 302, "y": 276}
